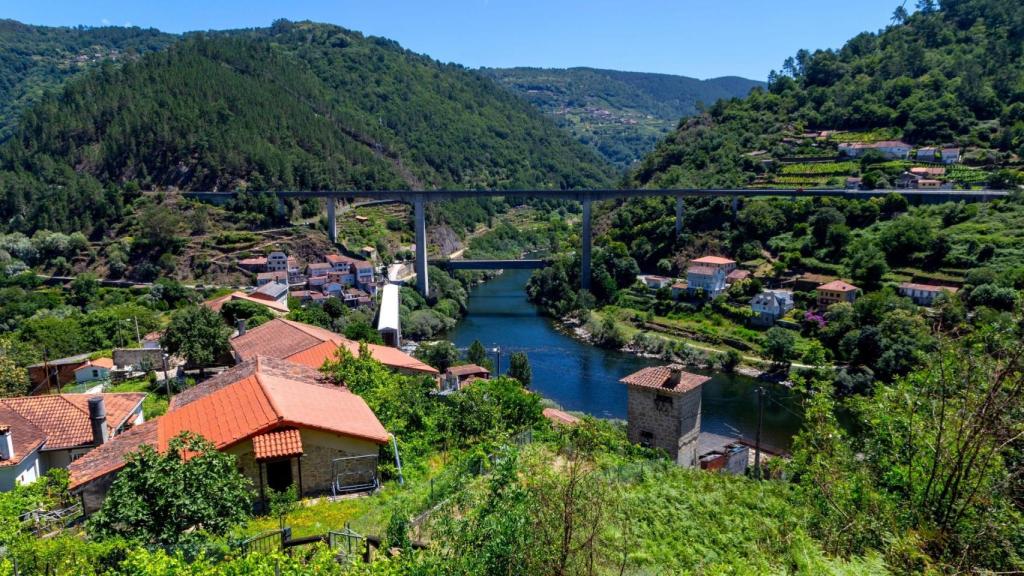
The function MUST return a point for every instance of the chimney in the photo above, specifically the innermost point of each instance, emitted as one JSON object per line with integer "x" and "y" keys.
{"x": 6, "y": 443}
{"x": 240, "y": 326}
{"x": 98, "y": 418}
{"x": 675, "y": 374}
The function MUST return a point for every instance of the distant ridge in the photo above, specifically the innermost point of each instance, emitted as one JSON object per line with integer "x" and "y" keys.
{"x": 620, "y": 114}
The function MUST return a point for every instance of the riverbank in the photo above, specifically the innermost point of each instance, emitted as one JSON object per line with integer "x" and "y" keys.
{"x": 584, "y": 378}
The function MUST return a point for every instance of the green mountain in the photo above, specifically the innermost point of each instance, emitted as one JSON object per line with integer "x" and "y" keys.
{"x": 940, "y": 76}
{"x": 621, "y": 114}
{"x": 294, "y": 106}
{"x": 34, "y": 59}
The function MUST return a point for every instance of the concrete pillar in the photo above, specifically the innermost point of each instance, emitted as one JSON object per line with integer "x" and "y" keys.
{"x": 679, "y": 216}
{"x": 735, "y": 206}
{"x": 332, "y": 220}
{"x": 585, "y": 240}
{"x": 419, "y": 208}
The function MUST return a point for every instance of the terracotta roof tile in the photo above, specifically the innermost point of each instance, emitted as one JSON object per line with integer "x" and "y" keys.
{"x": 277, "y": 444}
{"x": 64, "y": 418}
{"x": 717, "y": 260}
{"x": 660, "y": 378}
{"x": 25, "y": 436}
{"x": 467, "y": 370}
{"x": 559, "y": 417}
{"x": 253, "y": 398}
{"x": 312, "y": 345}
{"x": 838, "y": 286}
{"x": 109, "y": 457}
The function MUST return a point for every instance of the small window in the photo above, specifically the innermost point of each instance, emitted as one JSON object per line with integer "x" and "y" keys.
{"x": 95, "y": 373}
{"x": 646, "y": 439}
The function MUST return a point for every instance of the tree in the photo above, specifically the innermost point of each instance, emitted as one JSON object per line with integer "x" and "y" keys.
{"x": 780, "y": 345}
{"x": 198, "y": 334}
{"x": 866, "y": 263}
{"x": 476, "y": 354}
{"x": 84, "y": 289}
{"x": 159, "y": 498}
{"x": 14, "y": 356}
{"x": 254, "y": 314}
{"x": 519, "y": 369}
{"x": 441, "y": 355}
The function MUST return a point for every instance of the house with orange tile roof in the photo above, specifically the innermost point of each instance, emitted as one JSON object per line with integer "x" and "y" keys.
{"x": 836, "y": 291}
{"x": 312, "y": 346}
{"x": 709, "y": 274}
{"x": 282, "y": 421}
{"x": 663, "y": 407}
{"x": 38, "y": 433}
{"x": 276, "y": 304}
{"x": 560, "y": 418}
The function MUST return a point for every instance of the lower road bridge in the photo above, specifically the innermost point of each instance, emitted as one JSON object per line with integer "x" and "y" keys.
{"x": 418, "y": 199}
{"x": 490, "y": 264}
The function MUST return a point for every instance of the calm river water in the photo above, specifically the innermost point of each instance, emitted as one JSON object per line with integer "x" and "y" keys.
{"x": 586, "y": 378}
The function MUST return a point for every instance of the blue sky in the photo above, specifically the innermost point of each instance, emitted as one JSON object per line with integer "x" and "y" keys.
{"x": 701, "y": 38}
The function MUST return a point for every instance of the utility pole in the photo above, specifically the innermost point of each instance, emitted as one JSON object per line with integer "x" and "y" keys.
{"x": 138, "y": 338}
{"x": 167, "y": 378}
{"x": 497, "y": 364}
{"x": 757, "y": 438}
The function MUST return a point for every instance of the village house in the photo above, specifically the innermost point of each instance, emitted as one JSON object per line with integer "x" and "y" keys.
{"x": 354, "y": 297}
{"x": 928, "y": 171}
{"x": 97, "y": 370}
{"x": 891, "y": 149}
{"x": 559, "y": 417}
{"x": 950, "y": 155}
{"x": 307, "y": 296}
{"x": 923, "y": 294}
{"x": 255, "y": 264}
{"x": 834, "y": 292}
{"x": 927, "y": 154}
{"x": 736, "y": 275}
{"x": 908, "y": 180}
{"x": 664, "y": 409}
{"x": 769, "y": 306}
{"x": 678, "y": 289}
{"x": 283, "y": 423}
{"x": 38, "y": 433}
{"x": 457, "y": 376}
{"x": 312, "y": 346}
{"x": 708, "y": 273}
{"x": 853, "y": 183}
{"x": 654, "y": 282}
{"x": 53, "y": 374}
{"x": 928, "y": 184}
{"x": 269, "y": 297}
{"x": 264, "y": 278}
{"x": 318, "y": 270}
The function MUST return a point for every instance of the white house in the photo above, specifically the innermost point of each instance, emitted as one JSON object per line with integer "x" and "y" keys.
{"x": 923, "y": 294}
{"x": 928, "y": 154}
{"x": 709, "y": 273}
{"x": 94, "y": 370}
{"x": 655, "y": 282}
{"x": 950, "y": 155}
{"x": 770, "y": 305}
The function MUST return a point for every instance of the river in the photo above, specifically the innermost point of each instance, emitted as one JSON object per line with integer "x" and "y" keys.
{"x": 585, "y": 378}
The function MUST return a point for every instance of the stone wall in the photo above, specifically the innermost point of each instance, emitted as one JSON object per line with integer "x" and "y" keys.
{"x": 675, "y": 427}
{"x": 141, "y": 359}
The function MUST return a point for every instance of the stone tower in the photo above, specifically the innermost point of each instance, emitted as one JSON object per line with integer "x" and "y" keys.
{"x": 664, "y": 410}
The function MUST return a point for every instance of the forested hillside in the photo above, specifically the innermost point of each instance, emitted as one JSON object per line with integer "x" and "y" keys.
{"x": 943, "y": 75}
{"x": 298, "y": 105}
{"x": 621, "y": 114}
{"x": 34, "y": 59}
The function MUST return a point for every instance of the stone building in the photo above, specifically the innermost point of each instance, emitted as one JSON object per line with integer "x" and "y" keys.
{"x": 664, "y": 405}
{"x": 281, "y": 421}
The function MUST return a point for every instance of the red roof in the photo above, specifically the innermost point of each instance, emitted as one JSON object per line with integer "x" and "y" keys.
{"x": 63, "y": 419}
{"x": 26, "y": 437}
{"x": 256, "y": 397}
{"x": 661, "y": 378}
{"x": 107, "y": 363}
{"x": 468, "y": 370}
{"x": 278, "y": 444}
{"x": 312, "y": 346}
{"x": 838, "y": 286}
{"x": 559, "y": 417}
{"x": 738, "y": 274}
{"x": 715, "y": 260}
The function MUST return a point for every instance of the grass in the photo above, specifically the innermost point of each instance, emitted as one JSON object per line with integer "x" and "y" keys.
{"x": 156, "y": 400}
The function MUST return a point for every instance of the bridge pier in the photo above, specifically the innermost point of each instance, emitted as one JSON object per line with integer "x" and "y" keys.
{"x": 420, "y": 216}
{"x": 585, "y": 239}
{"x": 735, "y": 206}
{"x": 332, "y": 220}
{"x": 679, "y": 216}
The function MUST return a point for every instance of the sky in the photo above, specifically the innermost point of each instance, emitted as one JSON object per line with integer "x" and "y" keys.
{"x": 699, "y": 38}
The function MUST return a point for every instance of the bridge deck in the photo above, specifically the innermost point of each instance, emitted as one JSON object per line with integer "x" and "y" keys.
{"x": 609, "y": 194}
